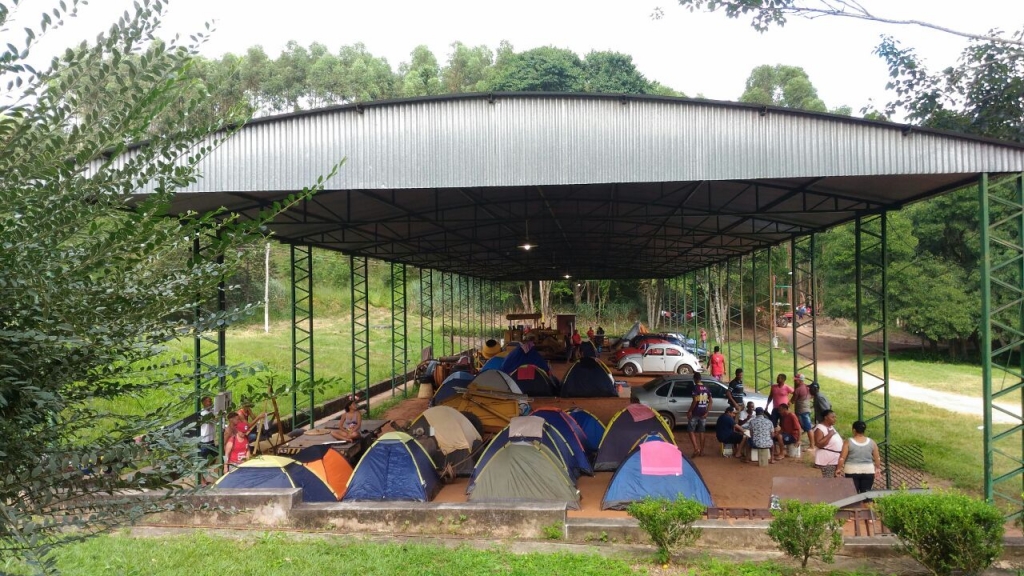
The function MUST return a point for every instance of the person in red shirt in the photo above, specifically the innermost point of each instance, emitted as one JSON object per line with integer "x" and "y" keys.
{"x": 791, "y": 430}
{"x": 590, "y": 334}
{"x": 718, "y": 364}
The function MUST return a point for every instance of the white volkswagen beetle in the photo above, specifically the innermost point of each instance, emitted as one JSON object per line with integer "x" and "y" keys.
{"x": 660, "y": 358}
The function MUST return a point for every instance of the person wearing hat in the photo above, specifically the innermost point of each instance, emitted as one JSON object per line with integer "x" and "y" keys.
{"x": 728, "y": 432}
{"x": 802, "y": 406}
{"x": 762, "y": 432}
{"x": 820, "y": 403}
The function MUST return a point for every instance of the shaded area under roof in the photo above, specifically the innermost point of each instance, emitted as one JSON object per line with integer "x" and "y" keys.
{"x": 604, "y": 186}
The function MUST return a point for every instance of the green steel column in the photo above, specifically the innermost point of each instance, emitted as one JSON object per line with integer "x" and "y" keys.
{"x": 209, "y": 359}
{"x": 302, "y": 329}
{"x": 734, "y": 314}
{"x": 1001, "y": 214}
{"x": 764, "y": 323}
{"x": 427, "y": 310}
{"x": 986, "y": 335}
{"x": 805, "y": 346}
{"x": 872, "y": 269}
{"x": 399, "y": 349}
{"x": 358, "y": 270}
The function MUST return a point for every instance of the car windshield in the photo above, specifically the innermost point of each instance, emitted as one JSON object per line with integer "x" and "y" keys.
{"x": 653, "y": 384}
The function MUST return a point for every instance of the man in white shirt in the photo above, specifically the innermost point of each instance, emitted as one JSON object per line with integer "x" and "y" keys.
{"x": 207, "y": 430}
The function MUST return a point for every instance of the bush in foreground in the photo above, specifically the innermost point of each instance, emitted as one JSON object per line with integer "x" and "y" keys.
{"x": 669, "y": 523}
{"x": 946, "y": 532}
{"x": 803, "y": 530}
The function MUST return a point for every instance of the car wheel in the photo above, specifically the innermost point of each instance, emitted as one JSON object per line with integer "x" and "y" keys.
{"x": 630, "y": 370}
{"x": 669, "y": 419}
{"x": 685, "y": 370}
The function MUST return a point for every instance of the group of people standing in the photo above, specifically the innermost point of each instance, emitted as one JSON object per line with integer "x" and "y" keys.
{"x": 789, "y": 414}
{"x": 574, "y": 341}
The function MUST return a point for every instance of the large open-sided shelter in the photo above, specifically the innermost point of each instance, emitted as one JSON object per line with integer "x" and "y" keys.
{"x": 601, "y": 186}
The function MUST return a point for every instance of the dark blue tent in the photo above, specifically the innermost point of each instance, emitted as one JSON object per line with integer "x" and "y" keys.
{"x": 588, "y": 350}
{"x": 394, "y": 468}
{"x": 571, "y": 432}
{"x": 447, "y": 388}
{"x": 658, "y": 469}
{"x": 278, "y": 472}
{"x": 493, "y": 364}
{"x": 550, "y": 438}
{"x": 518, "y": 357}
{"x": 593, "y": 428}
{"x": 589, "y": 378}
{"x": 534, "y": 381}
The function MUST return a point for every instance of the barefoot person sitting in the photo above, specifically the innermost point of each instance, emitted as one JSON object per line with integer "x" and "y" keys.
{"x": 351, "y": 423}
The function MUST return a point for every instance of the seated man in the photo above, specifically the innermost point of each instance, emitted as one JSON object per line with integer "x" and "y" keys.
{"x": 761, "y": 433}
{"x": 790, "y": 430}
{"x": 728, "y": 432}
{"x": 746, "y": 416}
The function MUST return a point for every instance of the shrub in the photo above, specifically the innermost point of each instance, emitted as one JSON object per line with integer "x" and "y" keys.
{"x": 553, "y": 531}
{"x": 668, "y": 522}
{"x": 803, "y": 529}
{"x": 945, "y": 531}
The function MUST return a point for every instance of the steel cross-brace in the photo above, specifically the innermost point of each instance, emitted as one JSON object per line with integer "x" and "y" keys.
{"x": 302, "y": 330}
{"x": 872, "y": 270}
{"x": 1001, "y": 218}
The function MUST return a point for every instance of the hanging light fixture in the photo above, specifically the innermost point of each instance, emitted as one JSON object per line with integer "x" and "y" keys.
{"x": 526, "y": 245}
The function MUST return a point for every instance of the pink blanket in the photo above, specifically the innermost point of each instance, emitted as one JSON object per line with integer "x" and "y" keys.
{"x": 660, "y": 459}
{"x": 639, "y": 412}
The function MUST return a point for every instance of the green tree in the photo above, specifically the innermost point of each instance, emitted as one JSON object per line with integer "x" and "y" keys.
{"x": 781, "y": 85}
{"x": 467, "y": 68}
{"x": 366, "y": 77}
{"x": 767, "y": 13}
{"x": 421, "y": 76}
{"x": 544, "y": 69}
{"x": 614, "y": 72}
{"x": 92, "y": 291}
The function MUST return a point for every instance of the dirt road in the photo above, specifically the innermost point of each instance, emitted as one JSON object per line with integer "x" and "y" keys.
{"x": 837, "y": 359}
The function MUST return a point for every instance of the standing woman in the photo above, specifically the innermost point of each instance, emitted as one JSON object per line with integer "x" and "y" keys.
{"x": 859, "y": 460}
{"x": 829, "y": 445}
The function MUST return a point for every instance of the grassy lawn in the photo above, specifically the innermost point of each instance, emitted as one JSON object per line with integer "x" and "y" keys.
{"x": 959, "y": 378}
{"x": 286, "y": 554}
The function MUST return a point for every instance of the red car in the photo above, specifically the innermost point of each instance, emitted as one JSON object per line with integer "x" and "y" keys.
{"x": 647, "y": 341}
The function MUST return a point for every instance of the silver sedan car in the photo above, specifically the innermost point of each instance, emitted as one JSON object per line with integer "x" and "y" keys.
{"x": 671, "y": 395}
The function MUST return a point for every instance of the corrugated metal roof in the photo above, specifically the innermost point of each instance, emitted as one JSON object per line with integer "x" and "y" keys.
{"x": 612, "y": 186}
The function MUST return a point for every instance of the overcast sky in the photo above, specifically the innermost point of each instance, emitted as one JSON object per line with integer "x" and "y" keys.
{"x": 699, "y": 54}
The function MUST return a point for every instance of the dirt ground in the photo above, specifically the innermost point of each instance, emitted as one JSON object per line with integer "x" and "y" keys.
{"x": 732, "y": 483}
